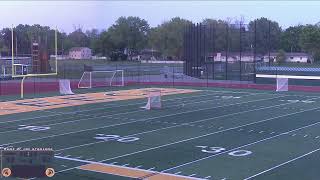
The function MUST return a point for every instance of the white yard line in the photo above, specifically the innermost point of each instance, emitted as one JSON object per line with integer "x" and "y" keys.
{"x": 141, "y": 120}
{"x": 180, "y": 125}
{"x": 107, "y": 106}
{"x": 185, "y": 140}
{"x": 216, "y": 133}
{"x": 97, "y": 117}
{"x": 282, "y": 164}
{"x": 165, "y": 145}
{"x": 246, "y": 145}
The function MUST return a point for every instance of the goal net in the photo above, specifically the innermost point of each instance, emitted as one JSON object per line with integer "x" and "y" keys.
{"x": 64, "y": 87}
{"x": 282, "y": 84}
{"x": 154, "y": 100}
{"x": 91, "y": 79}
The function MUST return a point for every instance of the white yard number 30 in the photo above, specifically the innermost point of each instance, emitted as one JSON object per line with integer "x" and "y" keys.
{"x": 115, "y": 138}
{"x": 214, "y": 150}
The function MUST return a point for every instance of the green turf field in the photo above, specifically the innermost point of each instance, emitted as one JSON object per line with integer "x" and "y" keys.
{"x": 214, "y": 134}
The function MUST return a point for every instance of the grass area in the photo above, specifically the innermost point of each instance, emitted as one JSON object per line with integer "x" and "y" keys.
{"x": 211, "y": 134}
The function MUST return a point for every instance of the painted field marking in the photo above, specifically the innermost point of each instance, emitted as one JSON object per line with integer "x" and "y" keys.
{"x": 183, "y": 124}
{"x": 125, "y": 171}
{"x": 282, "y": 164}
{"x": 33, "y": 128}
{"x": 107, "y": 106}
{"x": 295, "y": 113}
{"x": 86, "y": 119}
{"x": 214, "y": 150}
{"x": 29, "y": 105}
{"x": 296, "y": 100}
{"x": 117, "y": 138}
{"x": 185, "y": 140}
{"x": 141, "y": 120}
{"x": 89, "y": 159}
{"x": 246, "y": 145}
{"x": 173, "y": 99}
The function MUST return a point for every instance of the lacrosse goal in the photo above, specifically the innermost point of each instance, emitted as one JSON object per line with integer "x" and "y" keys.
{"x": 91, "y": 79}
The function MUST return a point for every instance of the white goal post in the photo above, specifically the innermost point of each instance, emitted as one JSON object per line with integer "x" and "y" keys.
{"x": 91, "y": 79}
{"x": 154, "y": 100}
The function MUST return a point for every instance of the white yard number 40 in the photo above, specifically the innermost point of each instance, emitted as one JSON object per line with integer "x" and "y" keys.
{"x": 214, "y": 150}
{"x": 115, "y": 138}
{"x": 33, "y": 128}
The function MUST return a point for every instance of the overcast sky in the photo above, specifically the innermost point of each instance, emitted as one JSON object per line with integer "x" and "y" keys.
{"x": 67, "y": 15}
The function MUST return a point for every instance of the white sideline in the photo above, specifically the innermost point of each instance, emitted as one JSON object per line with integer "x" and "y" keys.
{"x": 126, "y": 167}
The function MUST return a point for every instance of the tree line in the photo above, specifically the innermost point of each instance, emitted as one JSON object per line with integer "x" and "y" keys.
{"x": 133, "y": 34}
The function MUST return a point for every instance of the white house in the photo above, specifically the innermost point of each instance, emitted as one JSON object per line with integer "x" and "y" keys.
{"x": 290, "y": 57}
{"x": 249, "y": 57}
{"x": 80, "y": 53}
{"x": 235, "y": 56}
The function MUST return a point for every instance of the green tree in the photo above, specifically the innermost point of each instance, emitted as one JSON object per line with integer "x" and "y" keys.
{"x": 310, "y": 41}
{"x": 290, "y": 39}
{"x": 264, "y": 33}
{"x": 130, "y": 32}
{"x": 79, "y": 38}
{"x": 221, "y": 30}
{"x": 94, "y": 40}
{"x": 168, "y": 37}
